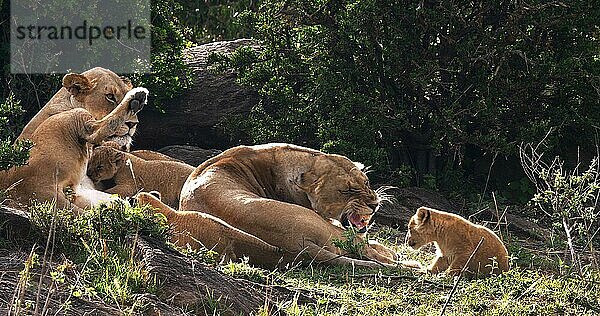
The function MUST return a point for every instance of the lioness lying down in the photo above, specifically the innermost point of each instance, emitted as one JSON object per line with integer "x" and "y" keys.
{"x": 198, "y": 229}
{"x": 284, "y": 195}
{"x": 58, "y": 160}
{"x": 456, "y": 239}
{"x": 132, "y": 174}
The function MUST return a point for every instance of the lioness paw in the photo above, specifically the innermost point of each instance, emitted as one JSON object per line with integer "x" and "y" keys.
{"x": 137, "y": 99}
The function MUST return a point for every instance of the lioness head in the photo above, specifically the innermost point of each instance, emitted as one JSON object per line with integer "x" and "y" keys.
{"x": 104, "y": 163}
{"x": 99, "y": 91}
{"x": 337, "y": 188}
{"x": 420, "y": 231}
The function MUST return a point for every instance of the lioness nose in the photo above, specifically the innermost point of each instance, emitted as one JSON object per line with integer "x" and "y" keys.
{"x": 131, "y": 124}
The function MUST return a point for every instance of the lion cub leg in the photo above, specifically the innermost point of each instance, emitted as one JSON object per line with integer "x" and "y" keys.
{"x": 132, "y": 103}
{"x": 439, "y": 264}
{"x": 200, "y": 229}
{"x": 473, "y": 269}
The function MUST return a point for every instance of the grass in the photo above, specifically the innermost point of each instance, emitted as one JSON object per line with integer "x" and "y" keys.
{"x": 341, "y": 291}
{"x": 524, "y": 290}
{"x": 96, "y": 262}
{"x": 97, "y": 250}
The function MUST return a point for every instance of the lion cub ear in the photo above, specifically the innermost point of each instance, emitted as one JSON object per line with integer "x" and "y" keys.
{"x": 423, "y": 215}
{"x": 77, "y": 84}
{"x": 118, "y": 158}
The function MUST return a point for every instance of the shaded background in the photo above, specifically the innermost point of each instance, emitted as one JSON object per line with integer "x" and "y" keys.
{"x": 438, "y": 94}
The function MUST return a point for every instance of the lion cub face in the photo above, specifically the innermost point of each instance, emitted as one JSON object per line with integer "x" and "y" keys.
{"x": 104, "y": 163}
{"x": 420, "y": 229}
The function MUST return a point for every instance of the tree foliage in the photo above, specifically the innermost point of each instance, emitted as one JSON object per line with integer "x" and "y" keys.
{"x": 17, "y": 154}
{"x": 375, "y": 79}
{"x": 168, "y": 71}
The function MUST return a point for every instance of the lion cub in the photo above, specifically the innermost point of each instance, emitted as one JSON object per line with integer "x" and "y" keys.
{"x": 198, "y": 229}
{"x": 166, "y": 177}
{"x": 57, "y": 163}
{"x": 455, "y": 239}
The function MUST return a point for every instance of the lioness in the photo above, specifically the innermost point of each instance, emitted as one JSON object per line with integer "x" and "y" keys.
{"x": 98, "y": 91}
{"x": 58, "y": 160}
{"x": 456, "y": 239}
{"x": 198, "y": 229}
{"x": 282, "y": 194}
{"x": 166, "y": 177}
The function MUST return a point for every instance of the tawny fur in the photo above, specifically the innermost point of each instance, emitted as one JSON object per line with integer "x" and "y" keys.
{"x": 166, "y": 177}
{"x": 284, "y": 195}
{"x": 153, "y": 155}
{"x": 455, "y": 239}
{"x": 198, "y": 229}
{"x": 57, "y": 164}
{"x": 90, "y": 91}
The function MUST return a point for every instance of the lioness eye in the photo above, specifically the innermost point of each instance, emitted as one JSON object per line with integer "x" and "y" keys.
{"x": 350, "y": 191}
{"x": 111, "y": 97}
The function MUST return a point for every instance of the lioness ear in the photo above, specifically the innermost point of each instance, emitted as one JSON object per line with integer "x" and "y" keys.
{"x": 359, "y": 165}
{"x": 77, "y": 84}
{"x": 307, "y": 180}
{"x": 423, "y": 215}
{"x": 127, "y": 82}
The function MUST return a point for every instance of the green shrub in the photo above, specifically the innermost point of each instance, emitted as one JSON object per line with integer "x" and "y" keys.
{"x": 377, "y": 80}
{"x": 568, "y": 197}
{"x": 100, "y": 245}
{"x": 350, "y": 244}
{"x": 17, "y": 154}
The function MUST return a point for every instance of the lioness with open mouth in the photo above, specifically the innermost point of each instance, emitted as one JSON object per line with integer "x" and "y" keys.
{"x": 285, "y": 195}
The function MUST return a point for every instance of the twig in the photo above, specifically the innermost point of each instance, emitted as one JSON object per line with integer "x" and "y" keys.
{"x": 48, "y": 250}
{"x": 570, "y": 242}
{"x": 487, "y": 180}
{"x": 460, "y": 277}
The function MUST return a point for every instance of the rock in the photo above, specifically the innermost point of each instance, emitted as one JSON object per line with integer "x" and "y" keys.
{"x": 14, "y": 224}
{"x": 184, "y": 282}
{"x": 152, "y": 306}
{"x": 187, "y": 282}
{"x": 403, "y": 204}
{"x": 517, "y": 225}
{"x": 191, "y": 118}
{"x": 191, "y": 155}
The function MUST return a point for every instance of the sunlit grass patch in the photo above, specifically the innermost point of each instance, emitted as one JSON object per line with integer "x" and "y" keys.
{"x": 98, "y": 248}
